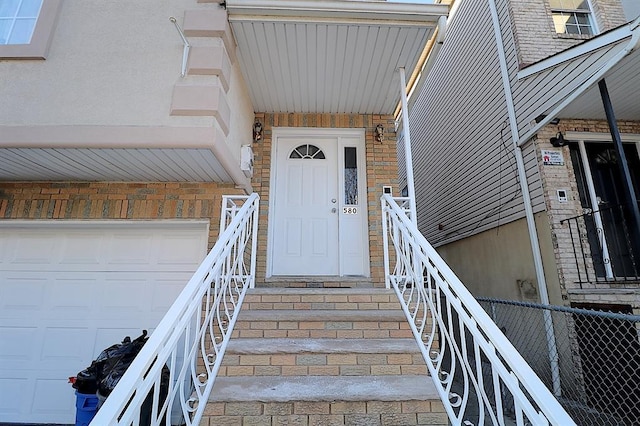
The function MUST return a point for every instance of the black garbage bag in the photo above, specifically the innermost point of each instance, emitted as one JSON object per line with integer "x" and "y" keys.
{"x": 104, "y": 373}
{"x": 89, "y": 380}
{"x": 114, "y": 361}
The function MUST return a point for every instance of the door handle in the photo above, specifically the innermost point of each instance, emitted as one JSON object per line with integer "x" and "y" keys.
{"x": 333, "y": 200}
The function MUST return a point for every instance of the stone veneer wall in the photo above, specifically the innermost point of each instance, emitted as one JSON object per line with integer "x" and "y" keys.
{"x": 381, "y": 166}
{"x": 115, "y": 201}
{"x": 563, "y": 177}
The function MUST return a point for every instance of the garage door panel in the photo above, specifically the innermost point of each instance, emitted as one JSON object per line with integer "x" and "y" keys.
{"x": 177, "y": 251}
{"x": 66, "y": 294}
{"x": 13, "y": 388}
{"x": 21, "y": 294}
{"x": 125, "y": 296}
{"x": 72, "y": 297}
{"x": 129, "y": 249}
{"x": 60, "y": 344}
{"x": 51, "y": 398}
{"x": 17, "y": 343}
{"x": 166, "y": 292}
{"x": 30, "y": 248}
{"x": 81, "y": 248}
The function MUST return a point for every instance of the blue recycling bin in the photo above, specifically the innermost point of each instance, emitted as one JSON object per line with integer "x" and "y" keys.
{"x": 86, "y": 408}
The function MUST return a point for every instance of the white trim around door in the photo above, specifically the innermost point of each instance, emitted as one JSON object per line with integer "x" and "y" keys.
{"x": 318, "y": 218}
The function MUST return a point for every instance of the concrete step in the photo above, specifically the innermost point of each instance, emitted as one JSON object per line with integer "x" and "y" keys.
{"x": 318, "y": 400}
{"x": 322, "y": 357}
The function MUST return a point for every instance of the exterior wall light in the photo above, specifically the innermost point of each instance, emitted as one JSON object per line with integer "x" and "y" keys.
{"x": 379, "y": 133}
{"x": 257, "y": 131}
{"x": 558, "y": 140}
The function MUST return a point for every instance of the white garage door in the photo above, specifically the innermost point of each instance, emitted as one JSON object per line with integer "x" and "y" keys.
{"x": 67, "y": 291}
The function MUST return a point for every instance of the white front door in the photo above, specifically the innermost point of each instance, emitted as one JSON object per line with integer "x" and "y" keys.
{"x": 318, "y": 203}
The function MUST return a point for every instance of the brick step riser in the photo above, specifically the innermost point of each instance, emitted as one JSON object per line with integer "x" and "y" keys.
{"x": 370, "y": 413}
{"x": 322, "y": 329}
{"x": 322, "y": 365}
{"x": 325, "y": 284}
{"x": 305, "y": 306}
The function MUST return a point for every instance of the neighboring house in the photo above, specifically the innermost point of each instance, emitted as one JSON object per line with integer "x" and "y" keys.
{"x": 507, "y": 219}
{"x": 112, "y": 164}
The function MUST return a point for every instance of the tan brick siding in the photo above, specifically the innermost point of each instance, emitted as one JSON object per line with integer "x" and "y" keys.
{"x": 381, "y": 166}
{"x": 115, "y": 200}
{"x": 534, "y": 32}
{"x": 563, "y": 177}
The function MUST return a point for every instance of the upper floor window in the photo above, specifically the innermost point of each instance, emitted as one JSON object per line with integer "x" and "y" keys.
{"x": 18, "y": 20}
{"x": 27, "y": 27}
{"x": 572, "y": 17}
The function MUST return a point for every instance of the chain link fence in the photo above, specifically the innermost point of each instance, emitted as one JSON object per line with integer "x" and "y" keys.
{"x": 598, "y": 356}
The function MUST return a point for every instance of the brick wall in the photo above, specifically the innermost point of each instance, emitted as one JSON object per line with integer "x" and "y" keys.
{"x": 110, "y": 200}
{"x": 534, "y": 32}
{"x": 381, "y": 166}
{"x": 563, "y": 177}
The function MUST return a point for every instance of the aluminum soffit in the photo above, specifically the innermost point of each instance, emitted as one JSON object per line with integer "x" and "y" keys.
{"x": 329, "y": 57}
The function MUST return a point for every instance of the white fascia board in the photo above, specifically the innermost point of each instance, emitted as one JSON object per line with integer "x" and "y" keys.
{"x": 611, "y": 37}
{"x": 312, "y": 10}
{"x": 596, "y": 75}
{"x": 600, "y": 137}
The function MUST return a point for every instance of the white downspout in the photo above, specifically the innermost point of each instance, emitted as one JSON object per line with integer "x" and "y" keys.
{"x": 524, "y": 186}
{"x": 407, "y": 147}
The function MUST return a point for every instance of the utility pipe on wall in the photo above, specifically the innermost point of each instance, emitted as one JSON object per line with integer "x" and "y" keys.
{"x": 554, "y": 360}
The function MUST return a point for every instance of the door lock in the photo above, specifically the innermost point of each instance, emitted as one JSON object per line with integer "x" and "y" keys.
{"x": 333, "y": 210}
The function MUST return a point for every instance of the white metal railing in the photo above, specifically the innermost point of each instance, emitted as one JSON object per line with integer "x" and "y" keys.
{"x": 479, "y": 375}
{"x": 176, "y": 369}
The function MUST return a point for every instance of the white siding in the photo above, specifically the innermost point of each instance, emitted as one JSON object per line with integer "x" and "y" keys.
{"x": 466, "y": 178}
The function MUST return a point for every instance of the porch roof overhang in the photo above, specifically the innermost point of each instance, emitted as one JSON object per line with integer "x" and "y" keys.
{"x": 310, "y": 56}
{"x": 574, "y": 75}
{"x": 315, "y": 56}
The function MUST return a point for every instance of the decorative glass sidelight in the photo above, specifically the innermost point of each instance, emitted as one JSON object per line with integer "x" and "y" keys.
{"x": 350, "y": 176}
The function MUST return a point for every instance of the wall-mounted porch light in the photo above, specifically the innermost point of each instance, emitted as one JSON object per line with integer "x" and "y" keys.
{"x": 379, "y": 133}
{"x": 558, "y": 140}
{"x": 257, "y": 131}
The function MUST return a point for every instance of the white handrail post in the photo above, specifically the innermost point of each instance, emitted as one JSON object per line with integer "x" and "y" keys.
{"x": 254, "y": 244}
{"x": 407, "y": 146}
{"x": 385, "y": 244}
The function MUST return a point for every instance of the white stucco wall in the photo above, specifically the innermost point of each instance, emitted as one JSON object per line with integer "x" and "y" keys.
{"x": 110, "y": 63}
{"x": 242, "y": 114}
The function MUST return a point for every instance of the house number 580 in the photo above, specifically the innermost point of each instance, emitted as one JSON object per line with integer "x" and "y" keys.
{"x": 349, "y": 210}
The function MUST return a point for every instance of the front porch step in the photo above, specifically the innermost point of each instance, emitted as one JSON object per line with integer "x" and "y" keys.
{"x": 331, "y": 356}
{"x": 322, "y": 388}
{"x": 322, "y": 357}
{"x": 320, "y": 282}
{"x": 318, "y": 324}
{"x": 320, "y": 299}
{"x": 325, "y": 401}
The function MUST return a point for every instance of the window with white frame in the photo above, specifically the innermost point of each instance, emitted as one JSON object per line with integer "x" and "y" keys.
{"x": 18, "y": 20}
{"x": 572, "y": 17}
